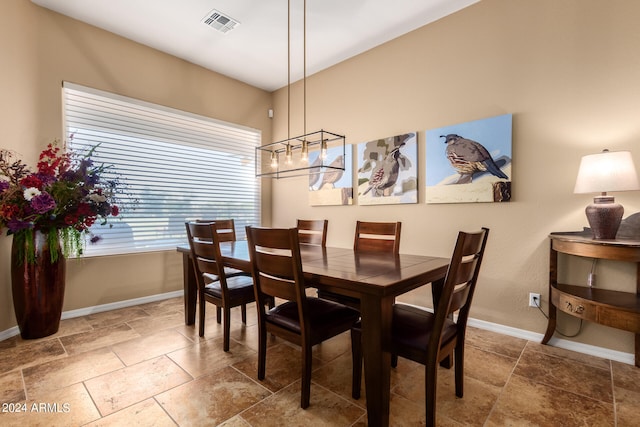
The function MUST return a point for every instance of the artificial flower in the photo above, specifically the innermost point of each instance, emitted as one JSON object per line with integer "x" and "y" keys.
{"x": 43, "y": 203}
{"x": 30, "y": 193}
{"x": 63, "y": 198}
{"x": 98, "y": 198}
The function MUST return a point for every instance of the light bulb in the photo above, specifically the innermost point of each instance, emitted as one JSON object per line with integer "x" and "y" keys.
{"x": 287, "y": 156}
{"x": 304, "y": 152}
{"x": 323, "y": 149}
{"x": 274, "y": 160}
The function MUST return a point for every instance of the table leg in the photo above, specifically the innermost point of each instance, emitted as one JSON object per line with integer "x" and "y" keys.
{"x": 551, "y": 323}
{"x": 190, "y": 290}
{"x": 553, "y": 282}
{"x": 376, "y": 329}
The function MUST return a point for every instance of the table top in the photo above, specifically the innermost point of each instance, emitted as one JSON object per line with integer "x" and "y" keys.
{"x": 362, "y": 273}
{"x": 587, "y": 237}
{"x": 581, "y": 244}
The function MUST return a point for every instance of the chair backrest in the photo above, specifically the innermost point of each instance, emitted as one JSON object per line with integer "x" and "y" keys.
{"x": 276, "y": 265}
{"x": 313, "y": 232}
{"x": 460, "y": 281}
{"x": 205, "y": 250}
{"x": 226, "y": 228}
{"x": 377, "y": 237}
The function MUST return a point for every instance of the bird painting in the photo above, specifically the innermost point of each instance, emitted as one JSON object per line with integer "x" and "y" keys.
{"x": 314, "y": 172}
{"x": 385, "y": 174}
{"x": 330, "y": 178}
{"x": 333, "y": 174}
{"x": 469, "y": 157}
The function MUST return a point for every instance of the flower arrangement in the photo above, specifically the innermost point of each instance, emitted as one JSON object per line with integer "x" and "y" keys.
{"x": 62, "y": 199}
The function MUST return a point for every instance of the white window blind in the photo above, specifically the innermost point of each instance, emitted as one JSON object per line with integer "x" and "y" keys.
{"x": 179, "y": 166}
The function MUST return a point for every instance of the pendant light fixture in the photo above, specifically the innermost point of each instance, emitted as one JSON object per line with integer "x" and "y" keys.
{"x": 291, "y": 157}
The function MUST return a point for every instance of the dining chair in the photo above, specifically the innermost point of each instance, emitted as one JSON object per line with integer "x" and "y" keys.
{"x": 300, "y": 319}
{"x": 377, "y": 237}
{"x": 214, "y": 286}
{"x": 226, "y": 230}
{"x": 428, "y": 338}
{"x": 313, "y": 232}
{"x": 381, "y": 237}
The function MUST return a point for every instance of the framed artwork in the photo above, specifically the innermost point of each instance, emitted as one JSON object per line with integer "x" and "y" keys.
{"x": 469, "y": 162}
{"x": 333, "y": 187}
{"x": 388, "y": 170}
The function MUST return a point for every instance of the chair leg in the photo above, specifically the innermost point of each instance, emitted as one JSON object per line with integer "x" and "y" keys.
{"x": 262, "y": 351}
{"x": 431, "y": 379}
{"x": 459, "y": 369}
{"x": 306, "y": 377}
{"x": 201, "y": 305}
{"x": 356, "y": 360}
{"x": 271, "y": 302}
{"x": 243, "y": 310}
{"x": 218, "y": 314}
{"x": 227, "y": 327}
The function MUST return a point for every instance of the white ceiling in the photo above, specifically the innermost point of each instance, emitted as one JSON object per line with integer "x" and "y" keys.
{"x": 255, "y": 51}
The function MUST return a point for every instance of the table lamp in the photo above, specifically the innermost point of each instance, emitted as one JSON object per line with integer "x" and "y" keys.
{"x": 599, "y": 173}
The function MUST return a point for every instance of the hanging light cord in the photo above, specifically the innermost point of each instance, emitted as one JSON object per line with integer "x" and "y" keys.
{"x": 288, "y": 69}
{"x": 304, "y": 67}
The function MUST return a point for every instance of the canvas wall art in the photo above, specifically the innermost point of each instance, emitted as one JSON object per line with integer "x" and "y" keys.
{"x": 331, "y": 187}
{"x": 388, "y": 170}
{"x": 469, "y": 162}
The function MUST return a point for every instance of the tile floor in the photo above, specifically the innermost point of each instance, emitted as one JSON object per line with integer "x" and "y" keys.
{"x": 142, "y": 366}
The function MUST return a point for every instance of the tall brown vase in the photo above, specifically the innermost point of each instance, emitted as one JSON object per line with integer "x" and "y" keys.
{"x": 38, "y": 288}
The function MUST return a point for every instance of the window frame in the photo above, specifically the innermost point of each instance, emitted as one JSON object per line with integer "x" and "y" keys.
{"x": 153, "y": 133}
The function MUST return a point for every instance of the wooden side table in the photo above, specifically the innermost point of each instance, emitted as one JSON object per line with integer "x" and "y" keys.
{"x": 617, "y": 309}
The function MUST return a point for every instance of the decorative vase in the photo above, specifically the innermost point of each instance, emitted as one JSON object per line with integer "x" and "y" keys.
{"x": 37, "y": 284}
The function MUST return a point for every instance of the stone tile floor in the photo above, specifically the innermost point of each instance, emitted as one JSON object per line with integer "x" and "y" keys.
{"x": 143, "y": 366}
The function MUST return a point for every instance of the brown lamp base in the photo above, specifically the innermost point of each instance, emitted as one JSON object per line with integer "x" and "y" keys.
{"x": 604, "y": 216}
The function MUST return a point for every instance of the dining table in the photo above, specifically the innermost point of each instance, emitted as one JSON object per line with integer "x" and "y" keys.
{"x": 374, "y": 278}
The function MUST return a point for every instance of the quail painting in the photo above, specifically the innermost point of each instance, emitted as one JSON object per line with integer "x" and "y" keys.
{"x": 333, "y": 173}
{"x": 387, "y": 170}
{"x": 469, "y": 157}
{"x": 330, "y": 181}
{"x": 314, "y": 172}
{"x": 385, "y": 174}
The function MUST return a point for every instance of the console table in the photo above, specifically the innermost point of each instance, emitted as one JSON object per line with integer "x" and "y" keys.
{"x": 617, "y": 309}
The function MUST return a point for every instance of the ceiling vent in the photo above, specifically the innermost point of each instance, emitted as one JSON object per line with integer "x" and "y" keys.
{"x": 220, "y": 21}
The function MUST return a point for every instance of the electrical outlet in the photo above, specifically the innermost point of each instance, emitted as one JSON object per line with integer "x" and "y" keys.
{"x": 534, "y": 299}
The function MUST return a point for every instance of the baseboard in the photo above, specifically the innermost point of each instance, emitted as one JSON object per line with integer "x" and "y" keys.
{"x": 605, "y": 353}
{"x": 120, "y": 304}
{"x": 592, "y": 350}
{"x": 11, "y": 332}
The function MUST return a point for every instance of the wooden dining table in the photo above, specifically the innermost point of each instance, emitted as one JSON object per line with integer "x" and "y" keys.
{"x": 375, "y": 278}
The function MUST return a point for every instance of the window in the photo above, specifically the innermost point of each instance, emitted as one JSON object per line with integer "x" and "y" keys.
{"x": 179, "y": 166}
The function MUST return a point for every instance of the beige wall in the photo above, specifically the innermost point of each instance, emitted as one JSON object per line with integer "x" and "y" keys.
{"x": 40, "y": 49}
{"x": 568, "y": 72}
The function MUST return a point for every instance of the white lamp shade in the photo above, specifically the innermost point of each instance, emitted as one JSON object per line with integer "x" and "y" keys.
{"x": 607, "y": 171}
